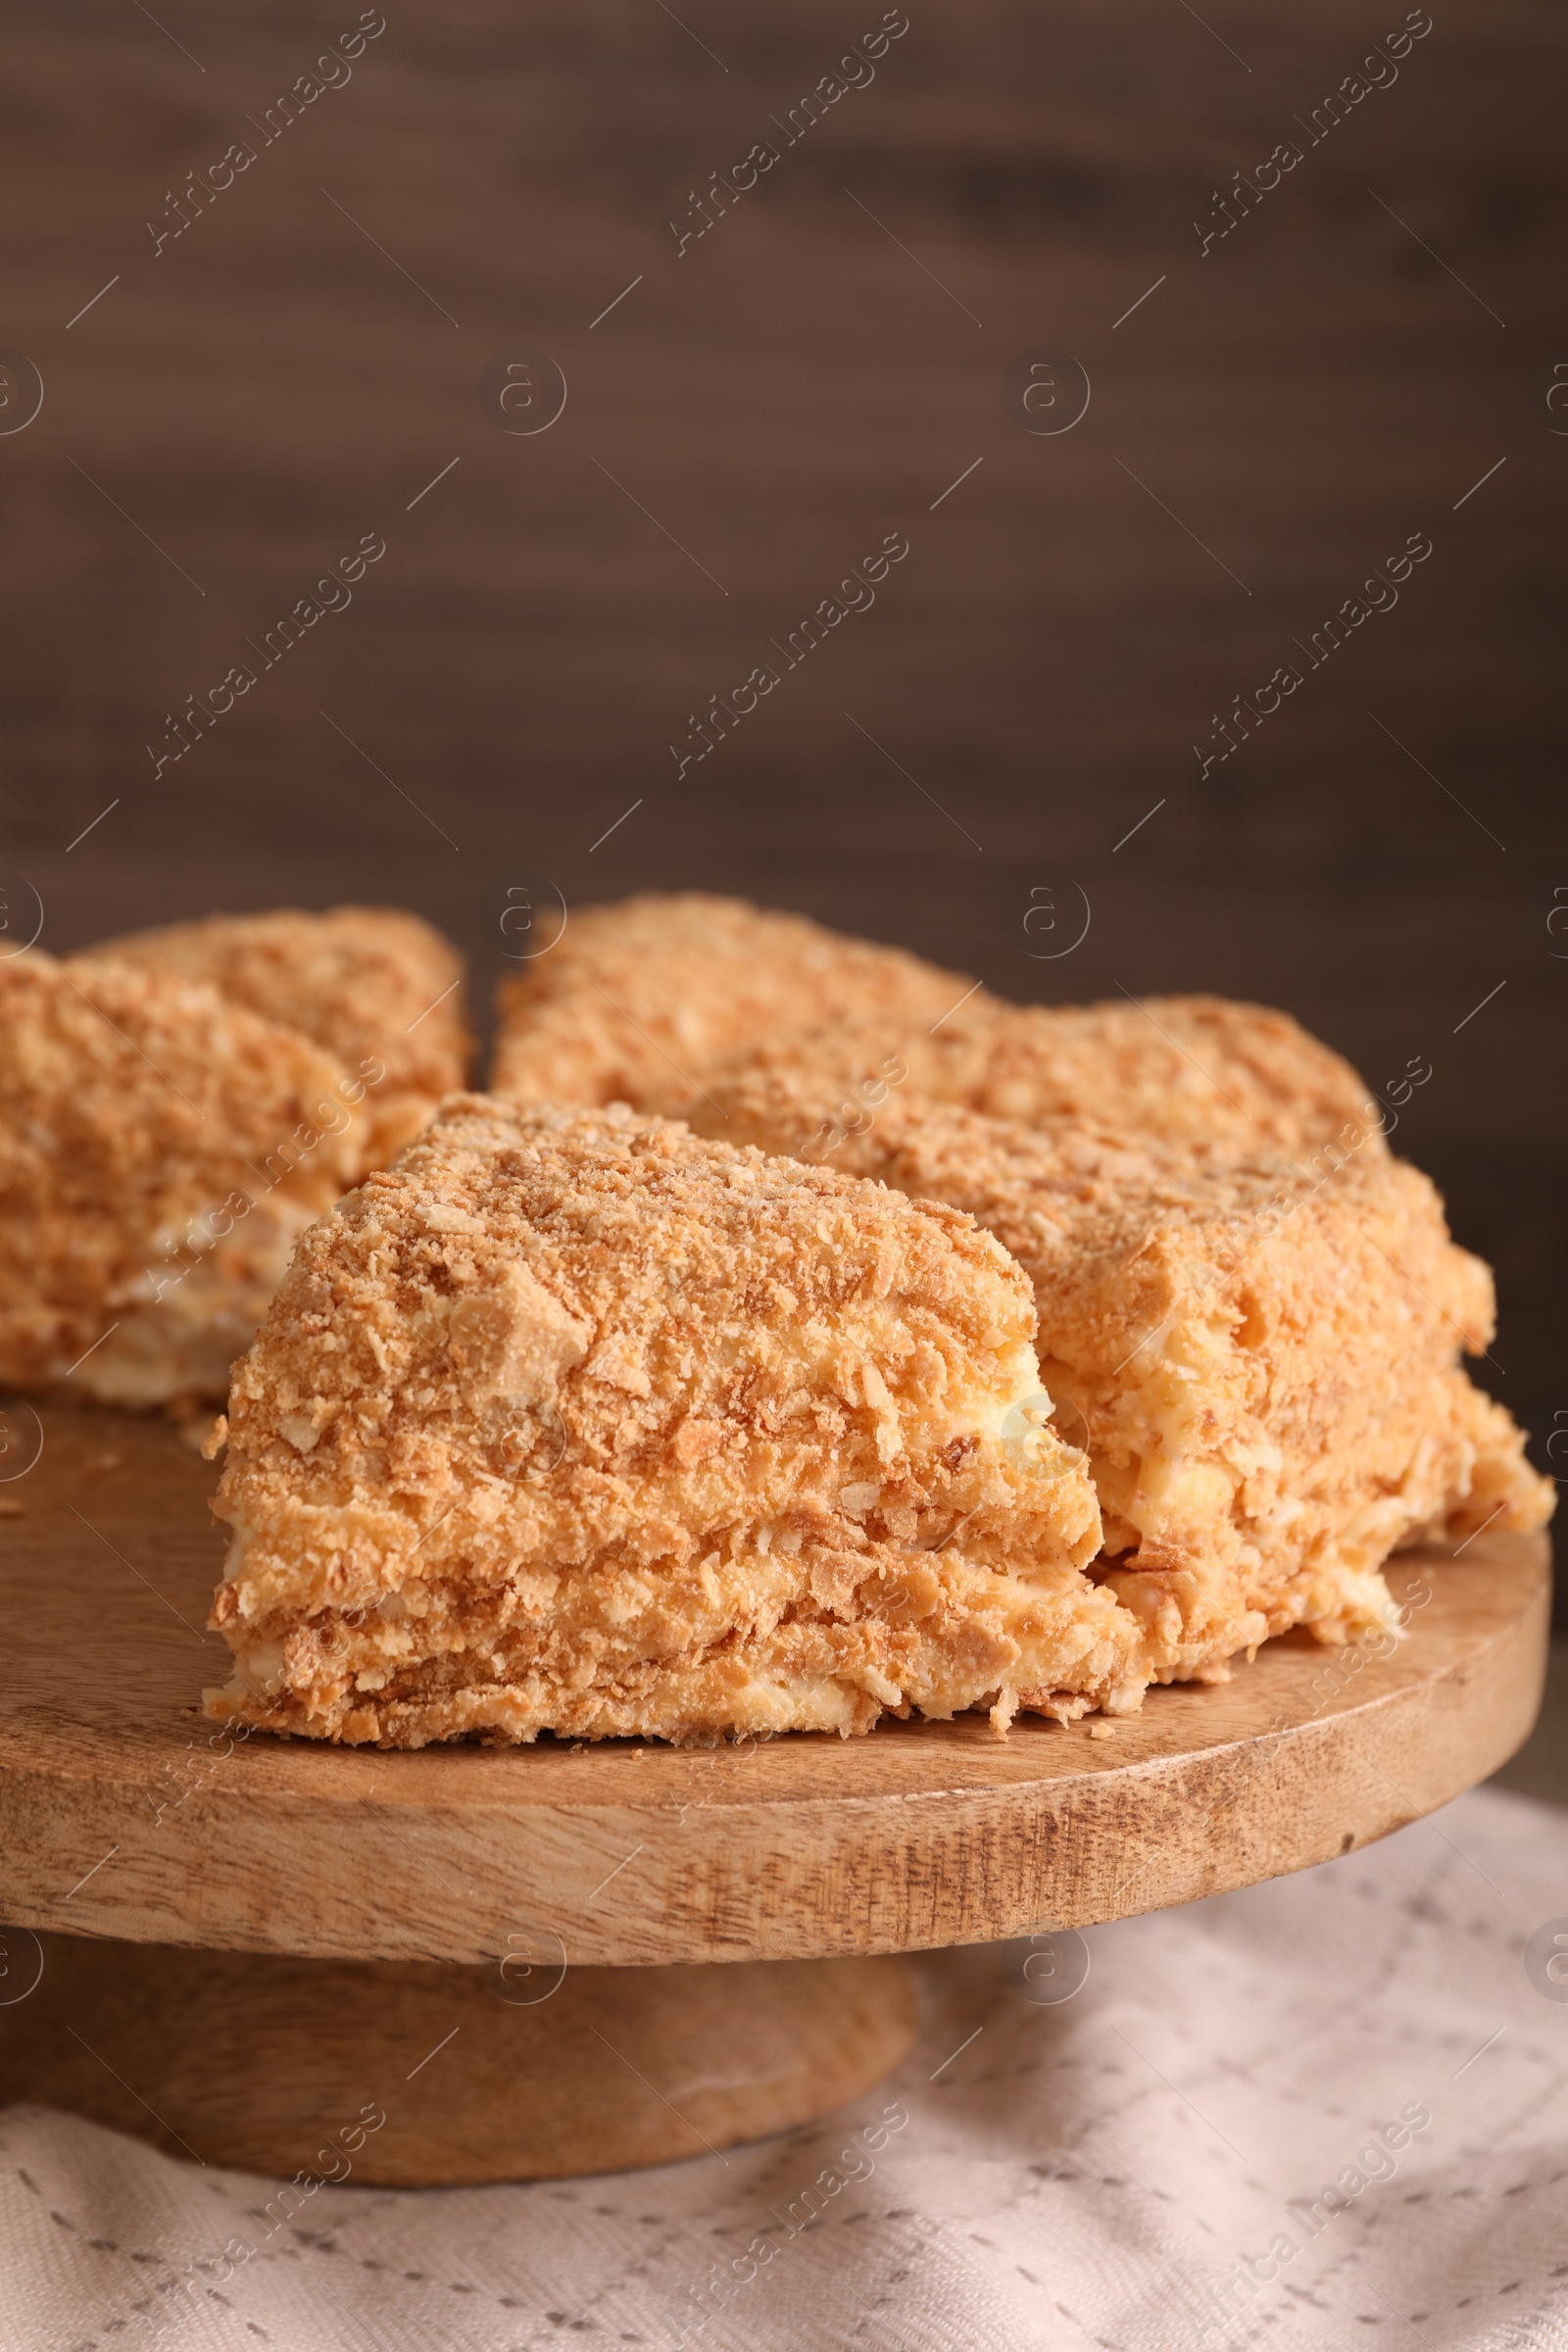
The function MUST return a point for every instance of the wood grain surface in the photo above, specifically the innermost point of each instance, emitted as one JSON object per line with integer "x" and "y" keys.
{"x": 414, "y": 2072}
{"x": 123, "y": 1815}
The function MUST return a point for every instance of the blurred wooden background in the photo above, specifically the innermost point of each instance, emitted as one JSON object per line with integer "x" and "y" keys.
{"x": 1277, "y": 416}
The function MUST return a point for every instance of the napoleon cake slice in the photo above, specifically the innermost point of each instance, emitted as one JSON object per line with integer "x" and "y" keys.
{"x": 161, "y": 1147}
{"x": 634, "y": 1001}
{"x": 1262, "y": 1360}
{"x": 573, "y": 1422}
{"x": 1179, "y": 1069}
{"x": 375, "y": 987}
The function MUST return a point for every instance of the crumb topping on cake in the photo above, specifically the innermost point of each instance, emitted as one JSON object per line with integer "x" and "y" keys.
{"x": 572, "y": 1420}
{"x": 1261, "y": 1356}
{"x": 374, "y": 986}
{"x": 1197, "y": 1070}
{"x": 635, "y": 1001}
{"x": 160, "y": 1148}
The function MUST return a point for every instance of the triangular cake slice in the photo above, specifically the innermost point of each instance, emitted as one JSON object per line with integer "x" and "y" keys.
{"x": 571, "y": 1421}
{"x": 1262, "y": 1359}
{"x": 375, "y": 987}
{"x": 161, "y": 1148}
{"x": 1178, "y": 1070}
{"x": 633, "y": 1001}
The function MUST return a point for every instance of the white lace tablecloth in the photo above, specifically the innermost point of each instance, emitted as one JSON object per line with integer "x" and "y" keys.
{"x": 1329, "y": 2112}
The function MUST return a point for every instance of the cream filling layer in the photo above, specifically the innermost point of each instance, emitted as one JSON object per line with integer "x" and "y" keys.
{"x": 184, "y": 1341}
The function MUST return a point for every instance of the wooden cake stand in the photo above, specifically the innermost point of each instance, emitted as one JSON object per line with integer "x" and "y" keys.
{"x": 558, "y": 1960}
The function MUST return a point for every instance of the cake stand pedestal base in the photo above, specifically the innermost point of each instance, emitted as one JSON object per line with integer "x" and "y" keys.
{"x": 521, "y": 2071}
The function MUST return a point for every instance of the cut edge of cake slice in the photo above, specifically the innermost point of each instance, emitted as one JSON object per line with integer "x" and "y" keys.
{"x": 161, "y": 1151}
{"x": 572, "y": 1421}
{"x": 1262, "y": 1361}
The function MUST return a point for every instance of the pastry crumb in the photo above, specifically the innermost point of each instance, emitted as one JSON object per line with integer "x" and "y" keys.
{"x": 1258, "y": 1357}
{"x": 635, "y": 1001}
{"x": 158, "y": 1158}
{"x": 551, "y": 1427}
{"x": 374, "y": 986}
{"x": 1202, "y": 1072}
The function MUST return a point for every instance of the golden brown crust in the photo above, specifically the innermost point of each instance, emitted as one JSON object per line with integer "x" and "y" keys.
{"x": 574, "y": 1421}
{"x": 374, "y": 986}
{"x": 648, "y": 1000}
{"x": 635, "y": 1001}
{"x": 160, "y": 1148}
{"x": 1262, "y": 1358}
{"x": 1178, "y": 1070}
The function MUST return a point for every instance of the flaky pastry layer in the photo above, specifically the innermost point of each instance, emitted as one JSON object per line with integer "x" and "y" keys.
{"x": 161, "y": 1147}
{"x": 1263, "y": 1360}
{"x": 635, "y": 1001}
{"x": 376, "y": 988}
{"x": 574, "y": 1421}
{"x": 1202, "y": 1071}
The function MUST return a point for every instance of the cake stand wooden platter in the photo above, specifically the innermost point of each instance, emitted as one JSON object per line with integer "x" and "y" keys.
{"x": 537, "y": 1962}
